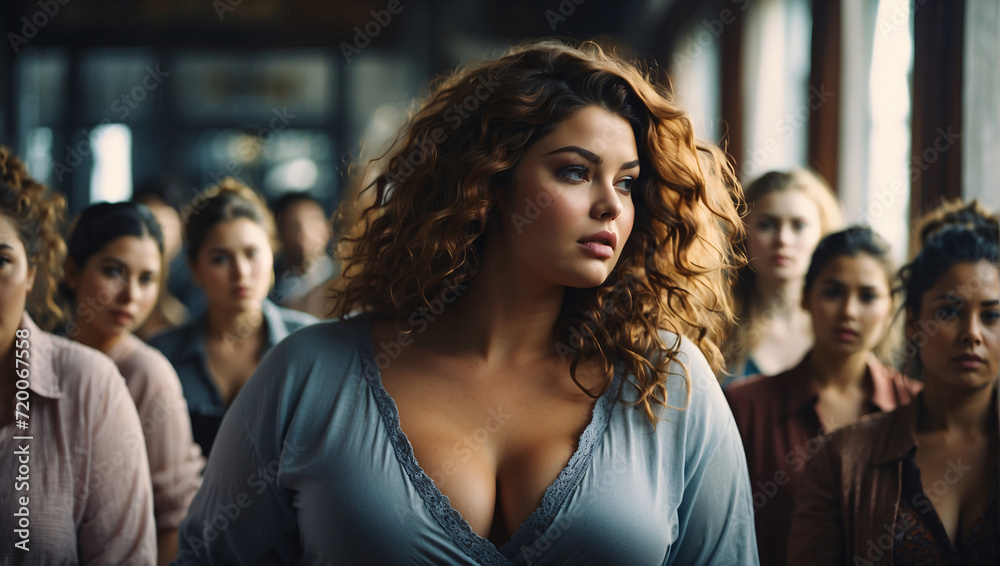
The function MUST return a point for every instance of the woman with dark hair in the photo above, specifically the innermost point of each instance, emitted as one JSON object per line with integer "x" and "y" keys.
{"x": 919, "y": 485}
{"x": 230, "y": 237}
{"x": 76, "y": 486}
{"x": 520, "y": 375}
{"x": 113, "y": 274}
{"x": 789, "y": 211}
{"x": 783, "y": 419}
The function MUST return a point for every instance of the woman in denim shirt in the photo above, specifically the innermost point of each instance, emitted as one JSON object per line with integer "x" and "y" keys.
{"x": 230, "y": 235}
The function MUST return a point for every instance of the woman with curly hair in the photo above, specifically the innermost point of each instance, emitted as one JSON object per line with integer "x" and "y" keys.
{"x": 75, "y": 476}
{"x": 523, "y": 370}
{"x": 230, "y": 236}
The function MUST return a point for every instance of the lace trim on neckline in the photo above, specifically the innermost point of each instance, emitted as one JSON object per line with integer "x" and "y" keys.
{"x": 532, "y": 528}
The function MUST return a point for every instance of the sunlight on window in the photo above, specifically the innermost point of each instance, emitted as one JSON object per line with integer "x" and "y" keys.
{"x": 890, "y": 169}
{"x": 778, "y": 98}
{"x": 111, "y": 179}
{"x": 695, "y": 74}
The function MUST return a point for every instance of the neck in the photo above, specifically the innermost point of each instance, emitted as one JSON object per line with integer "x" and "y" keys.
{"x": 959, "y": 411}
{"x": 780, "y": 299}
{"x": 838, "y": 371}
{"x": 498, "y": 318}
{"x": 88, "y": 337}
{"x": 223, "y": 324}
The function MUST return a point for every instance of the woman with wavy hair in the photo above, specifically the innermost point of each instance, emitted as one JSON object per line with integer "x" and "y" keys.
{"x": 523, "y": 371}
{"x": 789, "y": 211}
{"x": 74, "y": 470}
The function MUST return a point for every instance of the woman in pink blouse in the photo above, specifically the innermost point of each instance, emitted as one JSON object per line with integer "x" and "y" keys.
{"x": 76, "y": 487}
{"x": 113, "y": 273}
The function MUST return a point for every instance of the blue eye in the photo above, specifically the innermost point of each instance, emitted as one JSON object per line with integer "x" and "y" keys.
{"x": 217, "y": 260}
{"x": 573, "y": 173}
{"x": 626, "y": 184}
{"x": 798, "y": 225}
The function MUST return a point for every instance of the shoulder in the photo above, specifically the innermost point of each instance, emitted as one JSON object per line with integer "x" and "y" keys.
{"x": 323, "y": 351}
{"x": 759, "y": 392}
{"x": 692, "y": 390}
{"x": 80, "y": 373}
{"x": 292, "y": 319}
{"x": 144, "y": 366}
{"x": 173, "y": 340}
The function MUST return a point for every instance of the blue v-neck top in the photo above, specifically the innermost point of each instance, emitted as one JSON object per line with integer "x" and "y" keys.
{"x": 311, "y": 467}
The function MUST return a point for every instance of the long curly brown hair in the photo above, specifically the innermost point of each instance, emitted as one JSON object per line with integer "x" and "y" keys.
{"x": 439, "y": 187}
{"x": 38, "y": 216}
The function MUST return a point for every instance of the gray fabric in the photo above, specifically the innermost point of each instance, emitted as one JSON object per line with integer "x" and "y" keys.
{"x": 312, "y": 468}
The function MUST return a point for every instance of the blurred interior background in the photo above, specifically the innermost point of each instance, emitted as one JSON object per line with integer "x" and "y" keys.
{"x": 895, "y": 102}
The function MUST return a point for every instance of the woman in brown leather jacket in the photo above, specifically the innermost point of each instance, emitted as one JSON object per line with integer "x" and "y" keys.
{"x": 785, "y": 419}
{"x": 919, "y": 485}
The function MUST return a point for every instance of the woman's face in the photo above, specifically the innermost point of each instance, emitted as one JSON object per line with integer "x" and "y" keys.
{"x": 570, "y": 211}
{"x": 16, "y": 280}
{"x": 117, "y": 287}
{"x": 851, "y": 304}
{"x": 234, "y": 265}
{"x": 783, "y": 230}
{"x": 958, "y": 327}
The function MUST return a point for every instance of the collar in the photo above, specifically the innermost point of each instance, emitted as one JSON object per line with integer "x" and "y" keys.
{"x": 193, "y": 337}
{"x": 901, "y": 436}
{"x": 802, "y": 390}
{"x": 42, "y": 380}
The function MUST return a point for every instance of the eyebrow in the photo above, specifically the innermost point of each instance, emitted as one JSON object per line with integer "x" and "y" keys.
{"x": 6, "y": 247}
{"x": 590, "y": 156}
{"x": 954, "y": 298}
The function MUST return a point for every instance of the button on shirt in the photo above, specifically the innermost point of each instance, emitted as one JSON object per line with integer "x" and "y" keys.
{"x": 184, "y": 346}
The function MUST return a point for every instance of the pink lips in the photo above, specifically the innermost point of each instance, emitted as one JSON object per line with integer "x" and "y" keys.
{"x": 970, "y": 361}
{"x": 601, "y": 244}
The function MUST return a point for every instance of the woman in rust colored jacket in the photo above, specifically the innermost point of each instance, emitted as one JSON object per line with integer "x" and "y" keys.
{"x": 784, "y": 420}
{"x": 919, "y": 485}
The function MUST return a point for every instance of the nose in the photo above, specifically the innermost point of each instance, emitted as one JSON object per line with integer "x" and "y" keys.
{"x": 608, "y": 204}
{"x": 785, "y": 235}
{"x": 241, "y": 267}
{"x": 127, "y": 291}
{"x": 972, "y": 331}
{"x": 849, "y": 308}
